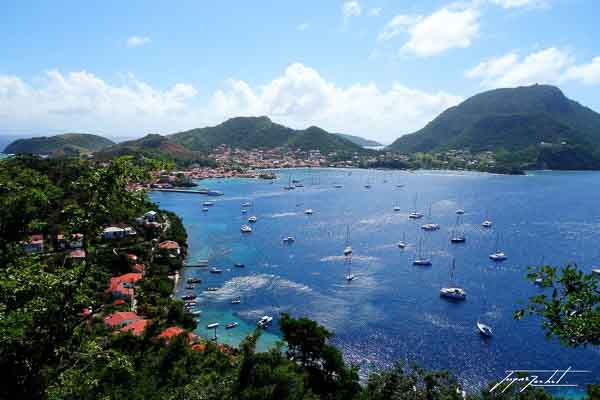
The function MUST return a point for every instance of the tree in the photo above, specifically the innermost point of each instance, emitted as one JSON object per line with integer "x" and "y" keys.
{"x": 570, "y": 306}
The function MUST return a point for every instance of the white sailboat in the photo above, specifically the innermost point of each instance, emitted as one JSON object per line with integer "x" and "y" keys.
{"x": 252, "y": 219}
{"x": 415, "y": 214}
{"x": 430, "y": 226}
{"x": 402, "y": 244}
{"x": 484, "y": 329}
{"x": 499, "y": 255}
{"x": 245, "y": 229}
{"x": 349, "y": 275}
{"x": 453, "y": 292}
{"x": 421, "y": 260}
{"x": 348, "y": 248}
{"x": 487, "y": 223}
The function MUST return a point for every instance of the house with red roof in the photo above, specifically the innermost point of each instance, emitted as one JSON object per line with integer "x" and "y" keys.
{"x": 35, "y": 244}
{"x": 137, "y": 327}
{"x": 139, "y": 268}
{"x": 169, "y": 333}
{"x": 122, "y": 286}
{"x": 120, "y": 319}
{"x": 170, "y": 246}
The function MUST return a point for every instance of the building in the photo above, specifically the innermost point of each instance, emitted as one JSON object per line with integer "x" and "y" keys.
{"x": 120, "y": 319}
{"x": 115, "y": 232}
{"x": 35, "y": 245}
{"x": 137, "y": 327}
{"x": 122, "y": 286}
{"x": 170, "y": 246}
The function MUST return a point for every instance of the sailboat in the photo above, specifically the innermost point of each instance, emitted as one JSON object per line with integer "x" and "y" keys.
{"x": 289, "y": 186}
{"x": 402, "y": 244}
{"x": 421, "y": 260}
{"x": 348, "y": 248}
{"x": 430, "y": 226}
{"x": 499, "y": 255}
{"x": 484, "y": 329}
{"x": 453, "y": 292}
{"x": 368, "y": 184}
{"x": 415, "y": 214}
{"x": 487, "y": 223}
{"x": 457, "y": 236}
{"x": 349, "y": 275}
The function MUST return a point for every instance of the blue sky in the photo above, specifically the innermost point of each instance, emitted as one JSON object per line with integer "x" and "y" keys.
{"x": 376, "y": 68}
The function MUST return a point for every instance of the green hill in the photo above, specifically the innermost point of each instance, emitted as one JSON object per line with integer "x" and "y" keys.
{"x": 153, "y": 146}
{"x": 261, "y": 132}
{"x": 512, "y": 119}
{"x": 66, "y": 144}
{"x": 359, "y": 140}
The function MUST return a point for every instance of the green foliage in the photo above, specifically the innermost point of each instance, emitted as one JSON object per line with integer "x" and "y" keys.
{"x": 70, "y": 143}
{"x": 517, "y": 120}
{"x": 261, "y": 132}
{"x": 359, "y": 140}
{"x": 569, "y": 307}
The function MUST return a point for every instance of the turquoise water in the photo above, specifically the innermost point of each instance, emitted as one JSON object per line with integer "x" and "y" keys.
{"x": 393, "y": 311}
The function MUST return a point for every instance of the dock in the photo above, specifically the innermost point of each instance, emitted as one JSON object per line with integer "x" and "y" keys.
{"x": 199, "y": 264}
{"x": 200, "y": 191}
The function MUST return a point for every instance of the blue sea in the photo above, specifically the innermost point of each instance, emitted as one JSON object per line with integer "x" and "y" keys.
{"x": 393, "y": 311}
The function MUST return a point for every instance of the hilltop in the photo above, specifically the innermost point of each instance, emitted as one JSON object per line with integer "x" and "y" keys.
{"x": 65, "y": 144}
{"x": 359, "y": 140}
{"x": 153, "y": 146}
{"x": 261, "y": 132}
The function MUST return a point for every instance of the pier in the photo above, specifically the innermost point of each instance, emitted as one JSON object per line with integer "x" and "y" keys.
{"x": 198, "y": 264}
{"x": 200, "y": 191}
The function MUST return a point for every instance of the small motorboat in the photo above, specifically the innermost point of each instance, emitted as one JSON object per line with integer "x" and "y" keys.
{"x": 487, "y": 223}
{"x": 460, "y": 211}
{"x": 197, "y": 312}
{"x": 308, "y": 211}
{"x": 484, "y": 329}
{"x": 252, "y": 219}
{"x": 204, "y": 209}
{"x": 194, "y": 280}
{"x": 400, "y": 185}
{"x": 212, "y": 289}
{"x": 454, "y": 293}
{"x": 189, "y": 296}
{"x": 402, "y": 244}
{"x": 415, "y": 215}
{"x": 214, "y": 325}
{"x": 397, "y": 208}
{"x": 244, "y": 211}
{"x": 422, "y": 262}
{"x": 299, "y": 185}
{"x": 231, "y": 325}
{"x": 246, "y": 204}
{"x": 215, "y": 270}
{"x": 245, "y": 229}
{"x": 430, "y": 227}
{"x": 214, "y": 193}
{"x": 338, "y": 186}
{"x": 350, "y": 277}
{"x": 238, "y": 265}
{"x": 190, "y": 303}
{"x": 348, "y": 250}
{"x": 367, "y": 186}
{"x": 458, "y": 239}
{"x": 289, "y": 240}
{"x": 596, "y": 271}
{"x": 208, "y": 203}
{"x": 498, "y": 256}
{"x": 236, "y": 301}
{"x": 264, "y": 321}
{"x": 190, "y": 287}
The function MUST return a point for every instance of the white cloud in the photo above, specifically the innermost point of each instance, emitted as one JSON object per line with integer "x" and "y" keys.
{"x": 137, "y": 41}
{"x": 521, "y": 3}
{"x": 544, "y": 66}
{"x": 589, "y": 74}
{"x": 303, "y": 26}
{"x": 351, "y": 9}
{"x": 453, "y": 26}
{"x": 81, "y": 101}
{"x": 397, "y": 25}
{"x": 375, "y": 12}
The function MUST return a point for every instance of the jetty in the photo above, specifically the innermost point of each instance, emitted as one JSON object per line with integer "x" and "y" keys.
{"x": 198, "y": 264}
{"x": 199, "y": 191}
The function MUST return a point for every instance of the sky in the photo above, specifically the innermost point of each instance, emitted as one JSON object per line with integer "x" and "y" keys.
{"x": 375, "y": 68}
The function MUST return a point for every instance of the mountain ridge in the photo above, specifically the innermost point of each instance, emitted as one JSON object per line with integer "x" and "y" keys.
{"x": 63, "y": 144}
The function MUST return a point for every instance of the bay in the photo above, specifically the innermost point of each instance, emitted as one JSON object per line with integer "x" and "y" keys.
{"x": 393, "y": 310}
